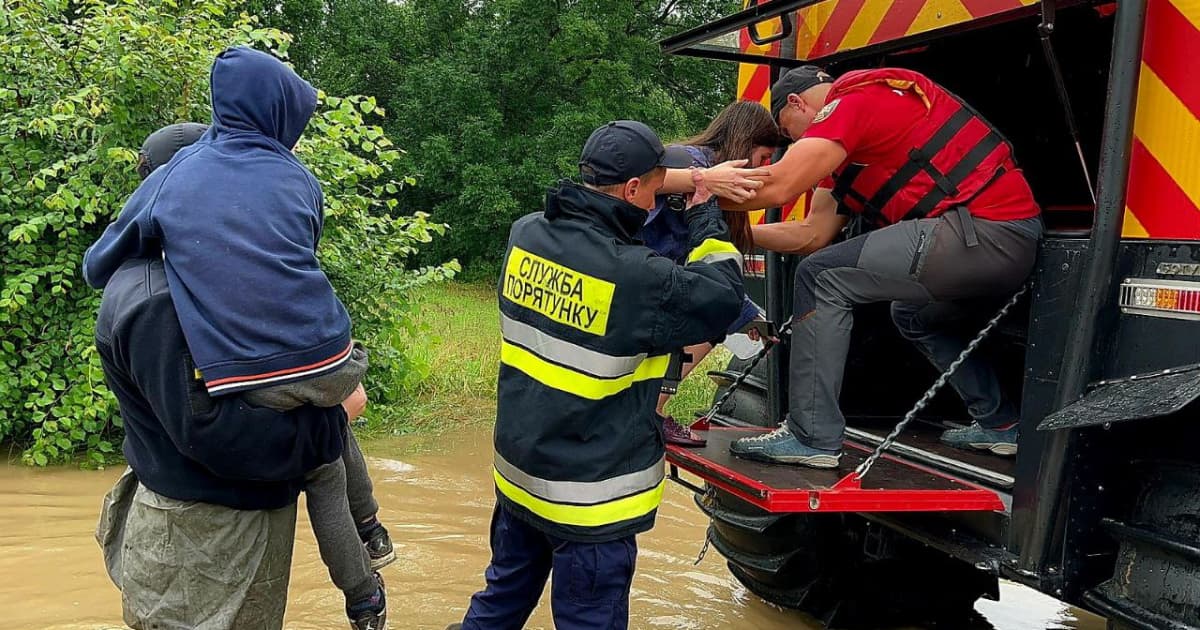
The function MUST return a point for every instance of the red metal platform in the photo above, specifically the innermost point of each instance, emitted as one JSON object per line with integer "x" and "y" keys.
{"x": 892, "y": 485}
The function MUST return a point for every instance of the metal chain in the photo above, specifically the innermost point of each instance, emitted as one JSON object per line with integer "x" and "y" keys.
{"x": 768, "y": 345}
{"x": 710, "y": 494}
{"x": 864, "y": 467}
{"x": 703, "y": 551}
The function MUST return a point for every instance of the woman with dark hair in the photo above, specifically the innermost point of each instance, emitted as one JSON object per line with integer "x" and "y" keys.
{"x": 742, "y": 131}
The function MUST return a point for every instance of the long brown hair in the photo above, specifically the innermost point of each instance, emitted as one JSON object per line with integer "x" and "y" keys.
{"x": 733, "y": 135}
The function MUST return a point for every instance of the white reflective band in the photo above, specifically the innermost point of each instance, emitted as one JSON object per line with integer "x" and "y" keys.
{"x": 566, "y": 353}
{"x": 718, "y": 257}
{"x": 584, "y": 492}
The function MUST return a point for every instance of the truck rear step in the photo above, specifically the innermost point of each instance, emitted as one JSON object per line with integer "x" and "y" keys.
{"x": 893, "y": 485}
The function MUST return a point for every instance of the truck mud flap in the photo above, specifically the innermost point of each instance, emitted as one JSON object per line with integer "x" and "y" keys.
{"x": 1141, "y": 396}
{"x": 893, "y": 485}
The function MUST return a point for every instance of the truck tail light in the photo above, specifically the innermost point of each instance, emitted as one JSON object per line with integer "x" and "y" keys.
{"x": 1161, "y": 298}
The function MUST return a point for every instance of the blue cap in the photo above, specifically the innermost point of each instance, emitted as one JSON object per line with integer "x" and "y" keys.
{"x": 625, "y": 149}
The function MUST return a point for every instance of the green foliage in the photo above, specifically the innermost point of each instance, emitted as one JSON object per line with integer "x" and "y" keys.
{"x": 367, "y": 244}
{"x": 496, "y": 97}
{"x": 81, "y": 84}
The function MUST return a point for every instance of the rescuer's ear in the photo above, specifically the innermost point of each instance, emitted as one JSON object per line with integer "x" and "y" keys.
{"x": 630, "y": 190}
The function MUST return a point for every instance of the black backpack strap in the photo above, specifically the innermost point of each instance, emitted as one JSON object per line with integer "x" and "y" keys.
{"x": 920, "y": 160}
{"x": 844, "y": 188}
{"x": 970, "y": 238}
{"x": 958, "y": 174}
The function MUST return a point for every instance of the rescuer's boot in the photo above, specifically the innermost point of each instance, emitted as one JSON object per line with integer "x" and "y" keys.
{"x": 781, "y": 447}
{"x": 1001, "y": 440}
{"x": 676, "y": 433}
{"x": 369, "y": 613}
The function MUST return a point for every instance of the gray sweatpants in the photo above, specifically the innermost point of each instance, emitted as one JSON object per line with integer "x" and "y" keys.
{"x": 339, "y": 494}
{"x": 930, "y": 274}
{"x": 339, "y": 497}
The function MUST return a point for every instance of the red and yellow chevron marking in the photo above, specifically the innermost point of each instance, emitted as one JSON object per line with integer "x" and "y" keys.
{"x": 754, "y": 84}
{"x": 1164, "y": 178}
{"x": 836, "y": 26}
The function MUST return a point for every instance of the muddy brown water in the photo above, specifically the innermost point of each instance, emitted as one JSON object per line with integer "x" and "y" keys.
{"x": 436, "y": 498}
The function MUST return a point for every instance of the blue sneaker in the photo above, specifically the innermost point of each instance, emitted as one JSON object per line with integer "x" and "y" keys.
{"x": 781, "y": 447}
{"x": 1002, "y": 441}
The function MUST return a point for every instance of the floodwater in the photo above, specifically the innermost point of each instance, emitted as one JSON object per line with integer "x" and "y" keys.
{"x": 436, "y": 497}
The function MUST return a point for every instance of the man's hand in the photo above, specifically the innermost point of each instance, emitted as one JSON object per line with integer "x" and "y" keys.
{"x": 702, "y": 193}
{"x": 355, "y": 404}
{"x": 729, "y": 180}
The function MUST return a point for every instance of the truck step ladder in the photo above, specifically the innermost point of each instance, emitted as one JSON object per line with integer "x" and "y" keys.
{"x": 893, "y": 485}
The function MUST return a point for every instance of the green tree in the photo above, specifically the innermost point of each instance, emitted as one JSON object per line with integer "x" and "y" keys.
{"x": 81, "y": 84}
{"x": 497, "y": 96}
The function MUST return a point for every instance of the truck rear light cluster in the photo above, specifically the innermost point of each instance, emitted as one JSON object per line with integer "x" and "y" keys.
{"x": 1161, "y": 298}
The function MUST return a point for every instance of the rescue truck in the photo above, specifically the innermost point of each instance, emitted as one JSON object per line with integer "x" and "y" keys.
{"x": 1101, "y": 505}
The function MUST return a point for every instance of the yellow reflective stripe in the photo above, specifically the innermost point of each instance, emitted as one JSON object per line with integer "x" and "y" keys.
{"x": 572, "y": 382}
{"x": 608, "y": 513}
{"x": 711, "y": 247}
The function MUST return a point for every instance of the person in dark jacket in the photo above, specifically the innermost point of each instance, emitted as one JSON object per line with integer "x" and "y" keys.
{"x": 589, "y": 317}
{"x": 203, "y": 199}
{"x": 744, "y": 130}
{"x": 216, "y": 477}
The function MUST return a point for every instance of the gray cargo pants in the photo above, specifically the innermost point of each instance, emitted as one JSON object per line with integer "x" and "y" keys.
{"x": 185, "y": 565}
{"x": 930, "y": 274}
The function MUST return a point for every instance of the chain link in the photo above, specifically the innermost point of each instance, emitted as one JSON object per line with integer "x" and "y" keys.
{"x": 768, "y": 346}
{"x": 703, "y": 550}
{"x": 865, "y": 467}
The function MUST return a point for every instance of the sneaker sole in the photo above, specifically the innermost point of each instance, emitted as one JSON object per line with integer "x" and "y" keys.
{"x": 379, "y": 563}
{"x": 997, "y": 448}
{"x": 811, "y": 461}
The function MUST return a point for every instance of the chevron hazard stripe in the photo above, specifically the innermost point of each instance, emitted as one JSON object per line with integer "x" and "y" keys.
{"x": 1164, "y": 174}
{"x": 836, "y": 26}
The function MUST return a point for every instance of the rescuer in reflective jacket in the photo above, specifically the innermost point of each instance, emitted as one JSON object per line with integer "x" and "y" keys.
{"x": 589, "y": 317}
{"x": 956, "y": 223}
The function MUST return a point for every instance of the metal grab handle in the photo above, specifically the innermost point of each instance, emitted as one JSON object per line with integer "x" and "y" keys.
{"x": 785, "y": 31}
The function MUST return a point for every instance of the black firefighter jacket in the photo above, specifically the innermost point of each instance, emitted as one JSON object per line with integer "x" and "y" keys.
{"x": 589, "y": 317}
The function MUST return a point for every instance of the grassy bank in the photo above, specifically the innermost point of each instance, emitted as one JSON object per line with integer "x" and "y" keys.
{"x": 461, "y": 350}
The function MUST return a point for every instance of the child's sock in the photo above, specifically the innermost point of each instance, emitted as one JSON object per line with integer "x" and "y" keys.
{"x": 372, "y": 605}
{"x": 367, "y": 527}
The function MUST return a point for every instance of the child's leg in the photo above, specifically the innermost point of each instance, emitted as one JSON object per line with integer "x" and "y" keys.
{"x": 359, "y": 491}
{"x": 337, "y": 535}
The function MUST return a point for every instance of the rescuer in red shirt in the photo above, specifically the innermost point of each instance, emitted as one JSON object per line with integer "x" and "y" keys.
{"x": 953, "y": 221}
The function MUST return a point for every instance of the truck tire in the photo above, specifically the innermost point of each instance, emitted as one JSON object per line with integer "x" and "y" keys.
{"x": 842, "y": 569}
{"x": 748, "y": 405}
{"x": 1156, "y": 581}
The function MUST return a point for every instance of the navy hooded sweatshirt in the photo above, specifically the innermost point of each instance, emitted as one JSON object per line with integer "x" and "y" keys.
{"x": 236, "y": 218}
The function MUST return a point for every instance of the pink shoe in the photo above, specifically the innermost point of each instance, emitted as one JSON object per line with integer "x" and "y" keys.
{"x": 678, "y": 434}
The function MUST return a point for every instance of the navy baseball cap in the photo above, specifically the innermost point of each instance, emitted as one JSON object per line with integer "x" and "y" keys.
{"x": 795, "y": 81}
{"x": 625, "y": 149}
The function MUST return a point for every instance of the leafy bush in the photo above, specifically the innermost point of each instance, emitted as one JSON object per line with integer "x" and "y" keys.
{"x": 82, "y": 82}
